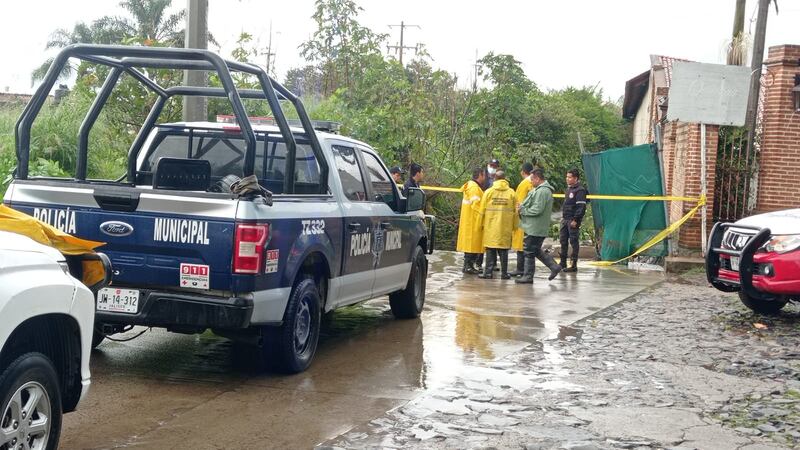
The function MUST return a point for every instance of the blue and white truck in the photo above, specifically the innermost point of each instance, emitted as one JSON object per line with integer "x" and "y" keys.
{"x": 252, "y": 231}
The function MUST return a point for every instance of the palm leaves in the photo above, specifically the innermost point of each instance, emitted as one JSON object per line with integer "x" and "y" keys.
{"x": 148, "y": 24}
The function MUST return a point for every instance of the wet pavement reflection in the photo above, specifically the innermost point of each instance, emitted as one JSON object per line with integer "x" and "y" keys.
{"x": 166, "y": 390}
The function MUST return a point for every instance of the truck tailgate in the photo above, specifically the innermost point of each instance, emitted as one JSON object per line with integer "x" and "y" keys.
{"x": 161, "y": 239}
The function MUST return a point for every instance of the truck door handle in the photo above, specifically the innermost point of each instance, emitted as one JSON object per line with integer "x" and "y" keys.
{"x": 353, "y": 226}
{"x": 386, "y": 225}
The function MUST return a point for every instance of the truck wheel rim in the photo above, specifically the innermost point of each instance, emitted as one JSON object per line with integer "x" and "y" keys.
{"x": 418, "y": 285}
{"x": 25, "y": 423}
{"x": 302, "y": 329}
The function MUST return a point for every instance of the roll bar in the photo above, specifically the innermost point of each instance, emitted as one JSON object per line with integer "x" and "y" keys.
{"x": 126, "y": 59}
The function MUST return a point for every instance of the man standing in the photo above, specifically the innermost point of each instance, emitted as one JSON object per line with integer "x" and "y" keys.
{"x": 470, "y": 236}
{"x": 571, "y": 216}
{"x": 534, "y": 215}
{"x": 416, "y": 175}
{"x": 522, "y": 190}
{"x": 491, "y": 173}
{"x": 397, "y": 174}
{"x": 499, "y": 219}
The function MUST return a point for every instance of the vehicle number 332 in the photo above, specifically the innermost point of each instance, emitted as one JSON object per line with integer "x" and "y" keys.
{"x": 315, "y": 226}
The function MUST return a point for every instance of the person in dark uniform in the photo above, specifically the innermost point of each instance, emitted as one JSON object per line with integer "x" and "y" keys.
{"x": 572, "y": 213}
{"x": 397, "y": 174}
{"x": 415, "y": 176}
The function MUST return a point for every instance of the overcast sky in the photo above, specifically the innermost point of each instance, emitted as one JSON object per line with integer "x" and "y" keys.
{"x": 560, "y": 43}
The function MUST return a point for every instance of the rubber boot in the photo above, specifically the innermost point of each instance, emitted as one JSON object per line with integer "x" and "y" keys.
{"x": 469, "y": 261}
{"x": 530, "y": 267}
{"x": 504, "y": 265}
{"x": 573, "y": 267}
{"x": 467, "y": 258}
{"x": 520, "y": 265}
{"x": 555, "y": 269}
{"x": 488, "y": 268}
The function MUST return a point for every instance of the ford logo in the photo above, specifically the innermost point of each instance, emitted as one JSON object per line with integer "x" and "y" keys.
{"x": 115, "y": 228}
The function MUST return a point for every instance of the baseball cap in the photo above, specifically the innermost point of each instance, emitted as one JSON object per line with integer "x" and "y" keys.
{"x": 397, "y": 169}
{"x": 494, "y": 162}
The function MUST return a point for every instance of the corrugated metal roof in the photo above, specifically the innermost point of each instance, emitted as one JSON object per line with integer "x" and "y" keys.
{"x": 636, "y": 87}
{"x": 666, "y": 63}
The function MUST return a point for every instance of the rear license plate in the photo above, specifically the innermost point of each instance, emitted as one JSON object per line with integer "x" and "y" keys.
{"x": 118, "y": 300}
{"x": 735, "y": 263}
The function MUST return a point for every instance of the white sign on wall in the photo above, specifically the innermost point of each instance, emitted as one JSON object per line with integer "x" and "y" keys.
{"x": 713, "y": 94}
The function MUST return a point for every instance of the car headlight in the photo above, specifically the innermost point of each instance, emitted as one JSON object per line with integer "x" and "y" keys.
{"x": 783, "y": 244}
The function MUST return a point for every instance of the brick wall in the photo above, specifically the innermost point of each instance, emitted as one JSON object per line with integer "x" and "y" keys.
{"x": 682, "y": 173}
{"x": 668, "y": 148}
{"x": 780, "y": 145}
{"x": 690, "y": 232}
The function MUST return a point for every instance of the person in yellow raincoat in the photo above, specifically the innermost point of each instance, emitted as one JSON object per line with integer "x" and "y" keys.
{"x": 499, "y": 219}
{"x": 522, "y": 190}
{"x": 470, "y": 235}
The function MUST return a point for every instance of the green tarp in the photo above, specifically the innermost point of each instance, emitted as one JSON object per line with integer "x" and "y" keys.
{"x": 626, "y": 224}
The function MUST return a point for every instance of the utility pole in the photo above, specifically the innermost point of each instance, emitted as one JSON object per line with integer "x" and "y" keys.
{"x": 475, "y": 76}
{"x": 755, "y": 75}
{"x": 195, "y": 108}
{"x": 270, "y": 53}
{"x": 402, "y": 45}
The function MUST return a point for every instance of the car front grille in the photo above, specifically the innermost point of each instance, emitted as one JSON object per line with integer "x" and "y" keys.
{"x": 733, "y": 240}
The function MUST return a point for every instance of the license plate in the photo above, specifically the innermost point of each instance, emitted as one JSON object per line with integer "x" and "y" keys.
{"x": 118, "y": 300}
{"x": 735, "y": 263}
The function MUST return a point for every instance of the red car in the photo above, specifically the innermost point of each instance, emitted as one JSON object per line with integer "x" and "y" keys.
{"x": 759, "y": 257}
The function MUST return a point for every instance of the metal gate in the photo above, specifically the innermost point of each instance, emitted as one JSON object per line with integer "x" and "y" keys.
{"x": 735, "y": 175}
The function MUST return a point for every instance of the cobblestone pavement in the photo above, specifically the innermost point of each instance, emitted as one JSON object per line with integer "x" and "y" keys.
{"x": 679, "y": 365}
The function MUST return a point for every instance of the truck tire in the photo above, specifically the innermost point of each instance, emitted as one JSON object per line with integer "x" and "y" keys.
{"x": 97, "y": 338}
{"x": 290, "y": 348}
{"x": 767, "y": 305}
{"x": 31, "y": 376}
{"x": 408, "y": 303}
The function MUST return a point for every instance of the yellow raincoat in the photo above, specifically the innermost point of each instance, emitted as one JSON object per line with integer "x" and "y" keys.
{"x": 470, "y": 237}
{"x": 522, "y": 190}
{"x": 499, "y": 216}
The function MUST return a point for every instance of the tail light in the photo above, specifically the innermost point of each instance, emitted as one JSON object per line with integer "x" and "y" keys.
{"x": 248, "y": 247}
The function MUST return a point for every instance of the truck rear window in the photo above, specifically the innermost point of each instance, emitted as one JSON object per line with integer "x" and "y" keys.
{"x": 225, "y": 153}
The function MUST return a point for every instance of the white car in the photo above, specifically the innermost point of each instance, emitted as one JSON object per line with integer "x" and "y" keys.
{"x": 46, "y": 325}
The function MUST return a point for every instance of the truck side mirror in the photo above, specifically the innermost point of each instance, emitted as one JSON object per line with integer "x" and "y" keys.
{"x": 415, "y": 199}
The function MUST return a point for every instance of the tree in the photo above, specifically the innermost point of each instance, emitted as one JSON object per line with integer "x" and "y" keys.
{"x": 148, "y": 25}
{"x": 340, "y": 45}
{"x": 305, "y": 81}
{"x": 740, "y": 42}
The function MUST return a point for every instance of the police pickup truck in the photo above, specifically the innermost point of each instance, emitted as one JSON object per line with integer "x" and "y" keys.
{"x": 252, "y": 231}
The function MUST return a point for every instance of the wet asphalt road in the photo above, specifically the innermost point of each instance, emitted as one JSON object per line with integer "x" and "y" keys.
{"x": 166, "y": 390}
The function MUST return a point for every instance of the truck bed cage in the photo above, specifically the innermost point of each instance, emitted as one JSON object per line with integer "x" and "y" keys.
{"x": 128, "y": 59}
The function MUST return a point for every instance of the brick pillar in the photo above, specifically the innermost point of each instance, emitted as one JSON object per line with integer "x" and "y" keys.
{"x": 686, "y": 180}
{"x": 780, "y": 144}
{"x": 668, "y": 154}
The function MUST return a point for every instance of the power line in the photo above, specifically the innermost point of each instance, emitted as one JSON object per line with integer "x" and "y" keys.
{"x": 402, "y": 45}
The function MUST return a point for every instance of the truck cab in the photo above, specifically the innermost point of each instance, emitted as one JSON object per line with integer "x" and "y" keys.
{"x": 251, "y": 230}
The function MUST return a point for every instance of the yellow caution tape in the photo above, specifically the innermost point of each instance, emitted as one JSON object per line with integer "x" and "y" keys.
{"x": 440, "y": 188}
{"x": 659, "y": 237}
{"x": 650, "y": 198}
{"x": 647, "y": 198}
{"x": 660, "y": 198}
